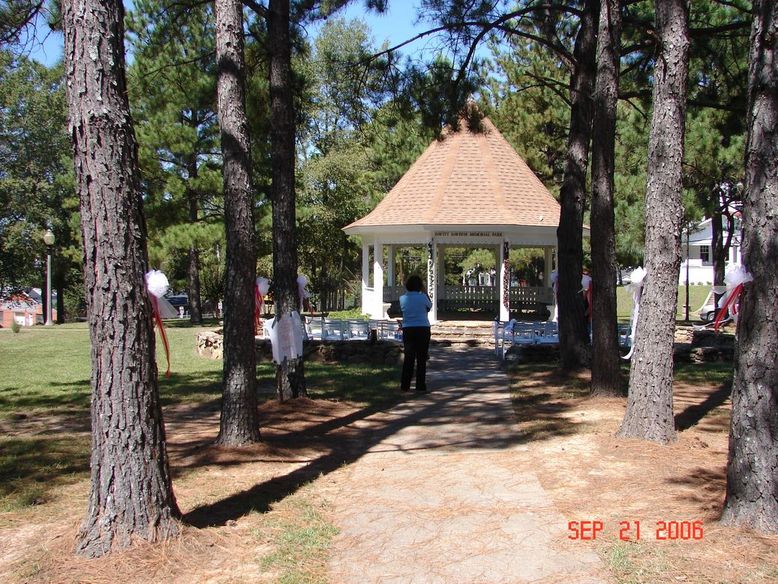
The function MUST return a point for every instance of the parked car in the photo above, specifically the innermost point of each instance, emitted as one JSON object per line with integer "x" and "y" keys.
{"x": 178, "y": 300}
{"x": 708, "y": 312}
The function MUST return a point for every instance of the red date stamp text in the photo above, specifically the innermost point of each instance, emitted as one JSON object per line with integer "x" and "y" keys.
{"x": 634, "y": 530}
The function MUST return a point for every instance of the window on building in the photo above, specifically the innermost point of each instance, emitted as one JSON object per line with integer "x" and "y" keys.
{"x": 705, "y": 254}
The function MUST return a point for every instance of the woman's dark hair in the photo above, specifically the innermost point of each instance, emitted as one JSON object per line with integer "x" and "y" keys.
{"x": 414, "y": 284}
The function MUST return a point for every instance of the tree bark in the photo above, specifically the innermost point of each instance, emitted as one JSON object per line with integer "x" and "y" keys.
{"x": 649, "y": 412}
{"x": 718, "y": 253}
{"x": 193, "y": 269}
{"x": 60, "y": 304}
{"x": 290, "y": 375}
{"x": 239, "y": 422}
{"x": 573, "y": 334}
{"x": 131, "y": 494}
{"x": 193, "y": 273}
{"x": 752, "y": 471}
{"x": 606, "y": 369}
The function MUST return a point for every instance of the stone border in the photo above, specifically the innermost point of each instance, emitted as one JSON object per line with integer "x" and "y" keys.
{"x": 209, "y": 346}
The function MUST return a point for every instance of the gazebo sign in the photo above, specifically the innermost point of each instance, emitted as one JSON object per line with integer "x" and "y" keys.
{"x": 468, "y": 233}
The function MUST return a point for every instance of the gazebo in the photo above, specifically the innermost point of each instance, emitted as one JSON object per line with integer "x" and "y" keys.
{"x": 468, "y": 189}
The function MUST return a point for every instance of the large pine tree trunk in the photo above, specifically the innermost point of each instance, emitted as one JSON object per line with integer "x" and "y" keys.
{"x": 649, "y": 412}
{"x": 193, "y": 274}
{"x": 719, "y": 254}
{"x": 752, "y": 472}
{"x": 193, "y": 269}
{"x": 131, "y": 494}
{"x": 573, "y": 334}
{"x": 290, "y": 375}
{"x": 606, "y": 376}
{"x": 239, "y": 417}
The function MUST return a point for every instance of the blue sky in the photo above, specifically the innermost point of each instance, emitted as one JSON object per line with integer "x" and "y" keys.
{"x": 396, "y": 26}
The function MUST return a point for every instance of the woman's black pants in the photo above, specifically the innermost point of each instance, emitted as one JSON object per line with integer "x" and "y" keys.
{"x": 416, "y": 346}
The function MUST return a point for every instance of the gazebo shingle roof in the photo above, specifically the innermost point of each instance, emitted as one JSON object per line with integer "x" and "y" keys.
{"x": 467, "y": 178}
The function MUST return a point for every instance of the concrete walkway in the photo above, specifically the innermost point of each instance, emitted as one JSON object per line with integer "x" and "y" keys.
{"x": 443, "y": 494}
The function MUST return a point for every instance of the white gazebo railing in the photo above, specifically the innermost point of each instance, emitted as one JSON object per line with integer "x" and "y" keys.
{"x": 531, "y": 295}
{"x": 479, "y": 297}
{"x": 462, "y": 297}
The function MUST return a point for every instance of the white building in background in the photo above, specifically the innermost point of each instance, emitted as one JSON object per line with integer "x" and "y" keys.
{"x": 700, "y": 252}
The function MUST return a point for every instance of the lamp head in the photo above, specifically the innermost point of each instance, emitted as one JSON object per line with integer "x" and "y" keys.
{"x": 48, "y": 237}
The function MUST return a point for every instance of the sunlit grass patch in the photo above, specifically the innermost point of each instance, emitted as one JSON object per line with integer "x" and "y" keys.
{"x": 302, "y": 534}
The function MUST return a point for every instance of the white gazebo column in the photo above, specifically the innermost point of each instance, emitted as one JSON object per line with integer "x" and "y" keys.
{"x": 505, "y": 281}
{"x": 366, "y": 296}
{"x": 378, "y": 281}
{"x": 432, "y": 278}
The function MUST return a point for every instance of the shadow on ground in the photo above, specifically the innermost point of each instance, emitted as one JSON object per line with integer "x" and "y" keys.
{"x": 697, "y": 411}
{"x": 467, "y": 408}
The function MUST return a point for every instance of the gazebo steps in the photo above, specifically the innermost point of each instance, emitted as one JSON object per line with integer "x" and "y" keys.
{"x": 473, "y": 333}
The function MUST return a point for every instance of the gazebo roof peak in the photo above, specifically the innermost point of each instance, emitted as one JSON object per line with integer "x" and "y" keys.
{"x": 466, "y": 178}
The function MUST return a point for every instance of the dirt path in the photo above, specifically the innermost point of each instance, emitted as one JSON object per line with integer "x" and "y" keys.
{"x": 445, "y": 494}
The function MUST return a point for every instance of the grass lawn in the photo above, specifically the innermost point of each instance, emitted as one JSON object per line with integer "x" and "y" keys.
{"x": 47, "y": 370}
{"x": 697, "y": 295}
{"x": 45, "y": 375}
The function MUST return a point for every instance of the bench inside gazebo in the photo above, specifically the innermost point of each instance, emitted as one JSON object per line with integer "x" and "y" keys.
{"x": 472, "y": 190}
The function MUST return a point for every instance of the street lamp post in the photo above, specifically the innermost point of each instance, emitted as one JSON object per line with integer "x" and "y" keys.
{"x": 48, "y": 239}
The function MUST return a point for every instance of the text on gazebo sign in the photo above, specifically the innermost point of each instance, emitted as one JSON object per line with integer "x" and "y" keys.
{"x": 468, "y": 234}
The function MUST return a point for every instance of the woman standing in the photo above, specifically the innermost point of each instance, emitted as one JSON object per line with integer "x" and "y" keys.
{"x": 415, "y": 305}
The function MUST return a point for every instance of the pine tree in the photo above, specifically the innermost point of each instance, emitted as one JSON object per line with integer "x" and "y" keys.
{"x": 606, "y": 376}
{"x": 173, "y": 89}
{"x": 649, "y": 412}
{"x": 239, "y": 417}
{"x": 131, "y": 494}
{"x": 752, "y": 469}
{"x": 290, "y": 376}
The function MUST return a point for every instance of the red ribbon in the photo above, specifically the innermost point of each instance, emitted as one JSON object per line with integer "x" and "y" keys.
{"x": 158, "y": 319}
{"x": 258, "y": 304}
{"x": 729, "y": 305}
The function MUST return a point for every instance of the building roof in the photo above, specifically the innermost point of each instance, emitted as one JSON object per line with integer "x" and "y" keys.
{"x": 18, "y": 301}
{"x": 466, "y": 178}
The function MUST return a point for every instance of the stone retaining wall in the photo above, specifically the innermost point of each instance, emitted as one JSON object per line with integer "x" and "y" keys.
{"x": 209, "y": 345}
{"x": 704, "y": 345}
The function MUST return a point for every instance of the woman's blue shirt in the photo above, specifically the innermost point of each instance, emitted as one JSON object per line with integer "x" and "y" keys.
{"x": 415, "y": 306}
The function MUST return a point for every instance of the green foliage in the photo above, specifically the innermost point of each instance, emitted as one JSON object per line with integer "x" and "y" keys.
{"x": 36, "y": 182}
{"x": 172, "y": 85}
{"x": 352, "y": 313}
{"x": 526, "y": 100}
{"x": 15, "y": 327}
{"x": 528, "y": 264}
{"x": 15, "y": 16}
{"x": 715, "y": 127}
{"x": 356, "y": 147}
{"x": 630, "y": 183}
{"x": 484, "y": 259}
